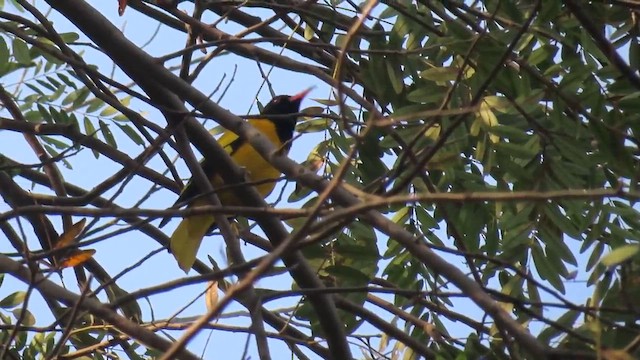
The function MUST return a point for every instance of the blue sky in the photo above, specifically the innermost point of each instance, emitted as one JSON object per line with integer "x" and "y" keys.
{"x": 120, "y": 252}
{"x": 123, "y": 251}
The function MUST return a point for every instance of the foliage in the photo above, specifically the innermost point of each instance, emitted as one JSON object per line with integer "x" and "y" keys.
{"x": 477, "y": 174}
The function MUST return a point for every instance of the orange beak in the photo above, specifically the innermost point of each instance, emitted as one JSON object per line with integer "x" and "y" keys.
{"x": 299, "y": 96}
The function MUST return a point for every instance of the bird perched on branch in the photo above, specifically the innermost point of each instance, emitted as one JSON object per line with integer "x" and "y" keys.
{"x": 277, "y": 122}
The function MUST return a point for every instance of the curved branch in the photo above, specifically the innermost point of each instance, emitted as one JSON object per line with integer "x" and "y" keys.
{"x": 282, "y": 325}
{"x": 50, "y": 290}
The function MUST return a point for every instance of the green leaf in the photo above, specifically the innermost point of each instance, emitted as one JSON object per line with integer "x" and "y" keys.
{"x": 620, "y": 255}
{"x": 56, "y": 154}
{"x": 21, "y": 52}
{"x": 395, "y": 75}
{"x": 33, "y": 116}
{"x": 440, "y": 74}
{"x": 327, "y": 30}
{"x": 131, "y": 309}
{"x": 4, "y": 51}
{"x": 544, "y": 53}
{"x": 75, "y": 97}
{"x": 347, "y": 274}
{"x": 546, "y": 269}
{"x": 560, "y": 220}
{"x": 425, "y": 93}
{"x": 28, "y": 318}
{"x": 631, "y": 102}
{"x": 44, "y": 113}
{"x": 132, "y": 134}
{"x": 20, "y": 342}
{"x": 107, "y": 134}
{"x": 555, "y": 243}
{"x": 312, "y": 126}
{"x": 509, "y": 132}
{"x": 108, "y": 111}
{"x": 388, "y": 13}
{"x": 90, "y": 130}
{"x": 34, "y": 88}
{"x": 327, "y": 102}
{"x": 126, "y": 101}
{"x": 300, "y": 192}
{"x": 60, "y": 145}
{"x": 81, "y": 97}
{"x": 46, "y": 85}
{"x": 516, "y": 150}
{"x": 401, "y": 216}
{"x": 53, "y": 82}
{"x": 57, "y": 93}
{"x": 55, "y": 115}
{"x": 94, "y": 105}
{"x": 13, "y": 300}
{"x": 65, "y": 79}
{"x": 69, "y": 37}
{"x": 120, "y": 117}
{"x": 567, "y": 320}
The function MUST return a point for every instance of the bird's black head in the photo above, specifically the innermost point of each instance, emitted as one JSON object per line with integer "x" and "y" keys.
{"x": 283, "y": 109}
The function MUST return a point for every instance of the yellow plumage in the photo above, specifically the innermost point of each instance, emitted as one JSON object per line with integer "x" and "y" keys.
{"x": 277, "y": 126}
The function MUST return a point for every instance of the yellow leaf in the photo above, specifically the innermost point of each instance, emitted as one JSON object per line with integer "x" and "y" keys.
{"x": 314, "y": 162}
{"x": 433, "y": 132}
{"x": 475, "y": 127}
{"x": 468, "y": 70}
{"x": 211, "y": 296}
{"x": 620, "y": 255}
{"x": 498, "y": 103}
{"x": 489, "y": 119}
{"x": 480, "y": 148}
{"x": 309, "y": 32}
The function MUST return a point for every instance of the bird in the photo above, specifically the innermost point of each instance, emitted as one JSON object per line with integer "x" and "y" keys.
{"x": 277, "y": 121}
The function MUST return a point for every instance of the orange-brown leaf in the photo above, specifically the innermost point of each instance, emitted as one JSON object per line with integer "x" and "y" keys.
{"x": 70, "y": 235}
{"x": 76, "y": 257}
{"x": 432, "y": 331}
{"x": 615, "y": 354}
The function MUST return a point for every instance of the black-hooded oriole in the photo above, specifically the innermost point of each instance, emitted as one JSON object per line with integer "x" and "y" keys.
{"x": 277, "y": 123}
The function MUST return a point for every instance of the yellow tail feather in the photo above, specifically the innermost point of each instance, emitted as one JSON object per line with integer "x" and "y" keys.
{"x": 187, "y": 237}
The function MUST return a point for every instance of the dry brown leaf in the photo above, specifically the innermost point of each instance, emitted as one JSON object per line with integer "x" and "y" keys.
{"x": 72, "y": 257}
{"x": 67, "y": 237}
